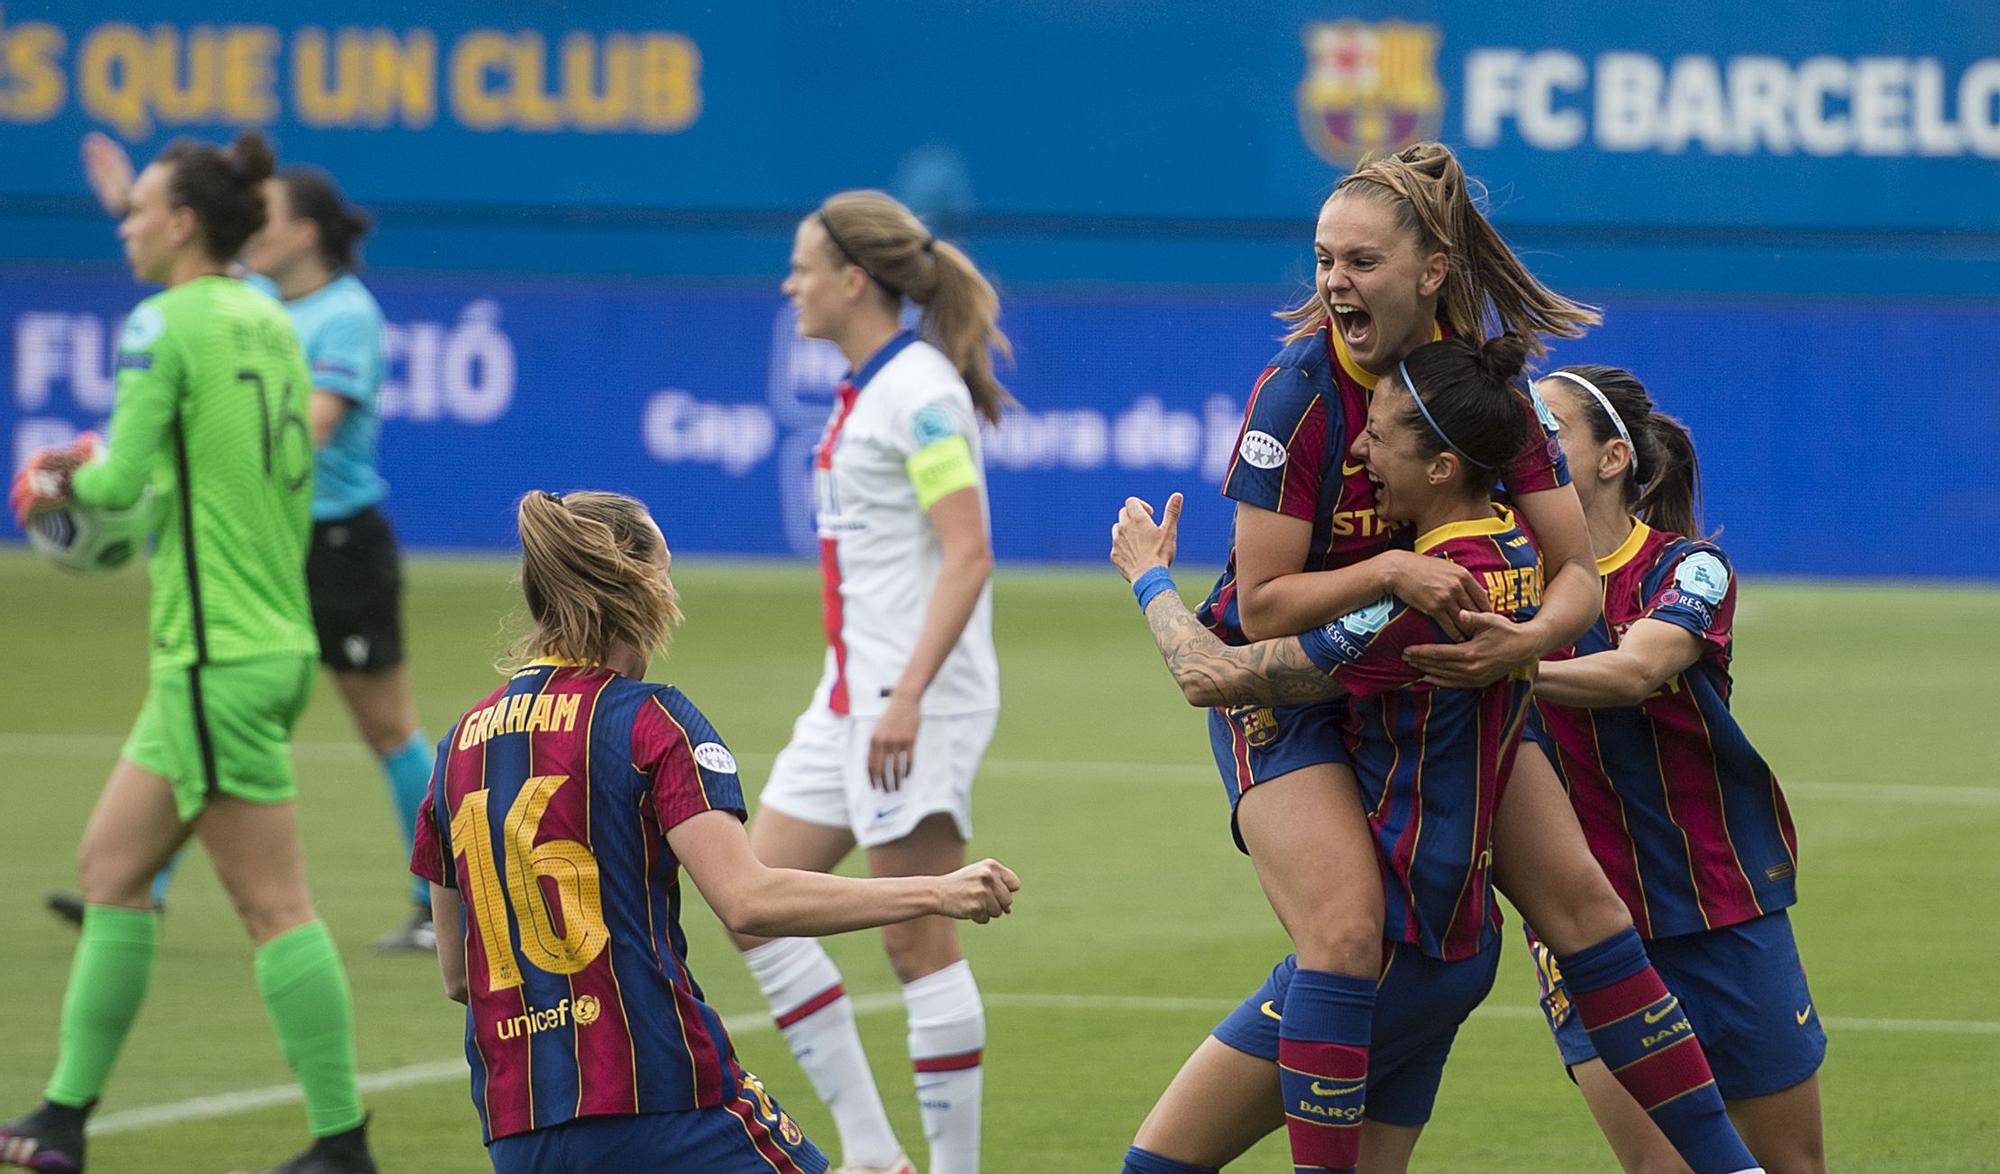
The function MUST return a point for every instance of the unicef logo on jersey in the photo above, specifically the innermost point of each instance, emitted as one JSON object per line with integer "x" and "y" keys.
{"x": 1263, "y": 450}
{"x": 1704, "y": 577}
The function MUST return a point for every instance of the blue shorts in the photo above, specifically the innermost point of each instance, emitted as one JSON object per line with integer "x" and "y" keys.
{"x": 1256, "y": 743}
{"x": 1744, "y": 991}
{"x": 1419, "y": 1003}
{"x": 748, "y": 1135}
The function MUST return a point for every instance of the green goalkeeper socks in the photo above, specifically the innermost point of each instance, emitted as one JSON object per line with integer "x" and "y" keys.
{"x": 107, "y": 982}
{"x": 299, "y": 975}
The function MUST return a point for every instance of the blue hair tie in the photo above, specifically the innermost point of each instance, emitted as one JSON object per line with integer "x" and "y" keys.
{"x": 1150, "y": 583}
{"x": 1410, "y": 383}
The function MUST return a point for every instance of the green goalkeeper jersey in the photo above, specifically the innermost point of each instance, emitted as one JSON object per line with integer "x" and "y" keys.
{"x": 212, "y": 412}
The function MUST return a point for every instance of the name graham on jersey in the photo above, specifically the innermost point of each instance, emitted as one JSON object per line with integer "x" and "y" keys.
{"x": 519, "y": 713}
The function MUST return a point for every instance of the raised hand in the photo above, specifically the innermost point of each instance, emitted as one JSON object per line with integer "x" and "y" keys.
{"x": 1138, "y": 543}
{"x": 108, "y": 170}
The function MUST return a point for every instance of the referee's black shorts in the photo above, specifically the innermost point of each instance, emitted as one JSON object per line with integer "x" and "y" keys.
{"x": 354, "y": 574}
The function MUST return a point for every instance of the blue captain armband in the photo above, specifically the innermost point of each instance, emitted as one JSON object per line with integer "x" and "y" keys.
{"x": 1150, "y": 583}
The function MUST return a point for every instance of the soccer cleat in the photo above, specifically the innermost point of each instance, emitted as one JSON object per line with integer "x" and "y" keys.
{"x": 48, "y": 1140}
{"x": 902, "y": 1165}
{"x": 342, "y": 1153}
{"x": 66, "y": 907}
{"x": 417, "y": 936}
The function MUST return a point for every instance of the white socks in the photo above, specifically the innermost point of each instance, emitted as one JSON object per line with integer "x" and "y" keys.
{"x": 947, "y": 1045}
{"x": 817, "y": 1020}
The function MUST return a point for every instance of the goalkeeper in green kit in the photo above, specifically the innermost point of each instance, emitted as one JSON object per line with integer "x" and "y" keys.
{"x": 211, "y": 413}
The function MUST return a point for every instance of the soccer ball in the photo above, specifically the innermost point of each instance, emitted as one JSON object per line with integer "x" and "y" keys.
{"x": 85, "y": 540}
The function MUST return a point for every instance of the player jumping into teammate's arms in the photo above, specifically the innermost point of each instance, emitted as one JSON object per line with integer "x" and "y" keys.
{"x": 1682, "y": 812}
{"x": 885, "y": 756}
{"x": 306, "y": 256}
{"x": 561, "y": 812}
{"x": 1431, "y": 763}
{"x": 1404, "y": 256}
{"x": 211, "y": 412}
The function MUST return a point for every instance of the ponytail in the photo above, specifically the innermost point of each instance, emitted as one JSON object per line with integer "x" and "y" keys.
{"x": 589, "y": 574}
{"x": 1663, "y": 482}
{"x": 1487, "y": 290}
{"x": 1671, "y": 498}
{"x": 223, "y": 188}
{"x": 961, "y": 311}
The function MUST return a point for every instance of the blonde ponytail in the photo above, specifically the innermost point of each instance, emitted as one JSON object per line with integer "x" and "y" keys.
{"x": 1487, "y": 291}
{"x": 961, "y": 311}
{"x": 590, "y": 577}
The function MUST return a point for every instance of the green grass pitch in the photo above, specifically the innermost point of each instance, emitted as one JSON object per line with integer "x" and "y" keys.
{"x": 1139, "y": 924}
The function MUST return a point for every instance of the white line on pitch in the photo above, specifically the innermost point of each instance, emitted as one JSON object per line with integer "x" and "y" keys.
{"x": 752, "y": 1022}
{"x": 231, "y": 1104}
{"x": 1064, "y": 771}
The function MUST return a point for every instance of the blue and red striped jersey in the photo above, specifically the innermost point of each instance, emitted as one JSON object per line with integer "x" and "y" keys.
{"x": 1292, "y": 457}
{"x": 548, "y": 811}
{"x": 1432, "y": 762}
{"x": 1683, "y": 814}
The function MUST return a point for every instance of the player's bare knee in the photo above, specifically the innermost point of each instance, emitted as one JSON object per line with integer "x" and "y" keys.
{"x": 106, "y": 880}
{"x": 1338, "y": 940}
{"x": 264, "y": 920}
{"x": 921, "y": 947}
{"x": 1587, "y": 915}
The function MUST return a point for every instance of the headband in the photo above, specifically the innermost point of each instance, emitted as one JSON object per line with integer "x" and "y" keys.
{"x": 1410, "y": 383}
{"x": 1604, "y": 401}
{"x": 929, "y": 246}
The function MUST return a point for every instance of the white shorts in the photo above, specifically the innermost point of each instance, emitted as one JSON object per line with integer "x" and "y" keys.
{"x": 821, "y": 776}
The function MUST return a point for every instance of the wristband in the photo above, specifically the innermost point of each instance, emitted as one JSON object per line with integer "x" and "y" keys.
{"x": 1150, "y": 583}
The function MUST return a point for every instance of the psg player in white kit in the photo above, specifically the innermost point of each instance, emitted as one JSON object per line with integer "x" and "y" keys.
{"x": 885, "y": 756}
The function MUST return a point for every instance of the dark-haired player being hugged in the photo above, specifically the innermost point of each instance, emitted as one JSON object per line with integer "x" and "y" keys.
{"x": 211, "y": 412}
{"x": 1682, "y": 812}
{"x": 1431, "y": 764}
{"x": 306, "y": 256}
{"x": 561, "y": 812}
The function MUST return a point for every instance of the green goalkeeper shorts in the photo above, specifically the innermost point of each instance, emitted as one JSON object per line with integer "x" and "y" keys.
{"x": 223, "y": 729}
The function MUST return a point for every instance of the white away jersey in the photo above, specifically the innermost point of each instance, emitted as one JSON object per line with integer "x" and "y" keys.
{"x": 879, "y": 555}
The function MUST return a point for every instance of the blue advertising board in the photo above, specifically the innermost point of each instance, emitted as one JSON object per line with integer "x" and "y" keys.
{"x": 1788, "y": 127}
{"x": 1822, "y": 427}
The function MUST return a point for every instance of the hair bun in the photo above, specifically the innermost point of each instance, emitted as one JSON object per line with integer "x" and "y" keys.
{"x": 1503, "y": 358}
{"x": 251, "y": 157}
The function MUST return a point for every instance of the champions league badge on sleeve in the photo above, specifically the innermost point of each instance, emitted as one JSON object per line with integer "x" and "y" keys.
{"x": 1704, "y": 577}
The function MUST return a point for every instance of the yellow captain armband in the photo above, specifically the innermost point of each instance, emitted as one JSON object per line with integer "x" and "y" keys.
{"x": 942, "y": 468}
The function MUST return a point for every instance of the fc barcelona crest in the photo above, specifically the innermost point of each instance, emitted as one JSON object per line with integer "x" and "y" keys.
{"x": 1258, "y": 723}
{"x": 1369, "y": 87}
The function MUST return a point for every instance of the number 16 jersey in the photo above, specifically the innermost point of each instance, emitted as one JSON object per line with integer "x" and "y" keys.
{"x": 548, "y": 812}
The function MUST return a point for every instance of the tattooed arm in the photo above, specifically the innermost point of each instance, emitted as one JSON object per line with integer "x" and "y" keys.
{"x": 1209, "y": 672}
{"x": 1271, "y": 672}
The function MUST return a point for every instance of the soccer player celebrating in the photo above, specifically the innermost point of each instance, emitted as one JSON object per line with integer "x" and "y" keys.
{"x": 1405, "y": 255}
{"x": 212, "y": 413}
{"x": 306, "y": 256}
{"x": 886, "y": 754}
{"x": 1221, "y": 1101}
{"x": 1681, "y": 811}
{"x": 561, "y": 811}
{"x": 1431, "y": 763}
